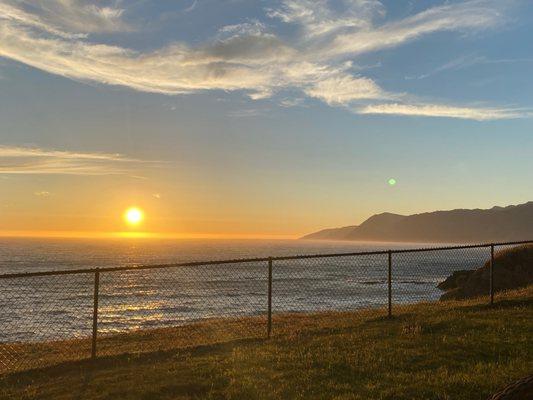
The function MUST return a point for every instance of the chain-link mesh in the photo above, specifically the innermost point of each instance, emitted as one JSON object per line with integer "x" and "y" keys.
{"x": 513, "y": 266}
{"x": 181, "y": 306}
{"x": 432, "y": 275}
{"x": 48, "y": 319}
{"x": 42, "y": 319}
{"x": 326, "y": 288}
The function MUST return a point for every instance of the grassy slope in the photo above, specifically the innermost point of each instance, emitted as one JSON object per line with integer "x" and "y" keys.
{"x": 456, "y": 350}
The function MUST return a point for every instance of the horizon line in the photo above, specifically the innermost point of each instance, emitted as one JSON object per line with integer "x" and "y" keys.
{"x": 140, "y": 235}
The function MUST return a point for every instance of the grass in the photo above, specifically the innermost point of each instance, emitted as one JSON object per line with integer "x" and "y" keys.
{"x": 452, "y": 350}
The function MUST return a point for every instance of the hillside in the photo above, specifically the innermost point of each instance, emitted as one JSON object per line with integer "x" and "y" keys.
{"x": 513, "y": 269}
{"x": 495, "y": 224}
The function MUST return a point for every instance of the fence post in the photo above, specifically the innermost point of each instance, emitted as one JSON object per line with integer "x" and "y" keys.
{"x": 491, "y": 276}
{"x": 269, "y": 327}
{"x": 95, "y": 311}
{"x": 390, "y": 284}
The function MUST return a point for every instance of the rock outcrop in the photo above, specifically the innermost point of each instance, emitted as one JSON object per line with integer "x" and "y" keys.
{"x": 513, "y": 268}
{"x": 457, "y": 279}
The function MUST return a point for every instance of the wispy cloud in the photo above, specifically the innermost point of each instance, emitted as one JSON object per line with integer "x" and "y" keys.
{"x": 245, "y": 113}
{"x": 468, "y": 61}
{"x": 33, "y": 160}
{"x": 341, "y": 89}
{"x": 461, "y": 17}
{"x": 66, "y": 18}
{"x": 439, "y": 110}
{"x": 247, "y": 57}
{"x": 455, "y": 64}
{"x": 317, "y": 18}
{"x": 191, "y": 7}
{"x": 7, "y": 151}
{"x": 250, "y": 28}
{"x": 18, "y": 16}
{"x": 292, "y": 102}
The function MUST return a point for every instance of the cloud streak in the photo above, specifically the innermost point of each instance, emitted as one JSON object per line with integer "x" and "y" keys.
{"x": 244, "y": 57}
{"x": 66, "y": 18}
{"x": 316, "y": 18}
{"x": 33, "y": 160}
{"x": 443, "y": 111}
{"x": 460, "y": 17}
{"x": 468, "y": 61}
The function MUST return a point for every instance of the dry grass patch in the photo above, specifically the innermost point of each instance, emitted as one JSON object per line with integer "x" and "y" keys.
{"x": 452, "y": 350}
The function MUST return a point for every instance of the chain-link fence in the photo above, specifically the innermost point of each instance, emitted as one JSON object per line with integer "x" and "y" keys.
{"x": 51, "y": 317}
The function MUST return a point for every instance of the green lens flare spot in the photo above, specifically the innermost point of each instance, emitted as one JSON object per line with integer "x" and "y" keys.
{"x": 392, "y": 181}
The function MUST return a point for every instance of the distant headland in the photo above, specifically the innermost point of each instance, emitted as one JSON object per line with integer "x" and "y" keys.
{"x": 511, "y": 223}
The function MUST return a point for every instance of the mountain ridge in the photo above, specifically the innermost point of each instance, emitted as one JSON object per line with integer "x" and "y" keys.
{"x": 509, "y": 223}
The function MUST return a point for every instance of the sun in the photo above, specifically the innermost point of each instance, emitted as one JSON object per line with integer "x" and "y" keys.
{"x": 134, "y": 216}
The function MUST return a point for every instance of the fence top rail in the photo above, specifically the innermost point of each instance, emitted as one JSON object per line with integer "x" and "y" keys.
{"x": 259, "y": 259}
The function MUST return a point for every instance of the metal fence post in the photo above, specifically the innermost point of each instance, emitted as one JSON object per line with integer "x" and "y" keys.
{"x": 269, "y": 327}
{"x": 390, "y": 284}
{"x": 491, "y": 276}
{"x": 95, "y": 311}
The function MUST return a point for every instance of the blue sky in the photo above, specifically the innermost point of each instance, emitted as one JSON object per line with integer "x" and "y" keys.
{"x": 260, "y": 117}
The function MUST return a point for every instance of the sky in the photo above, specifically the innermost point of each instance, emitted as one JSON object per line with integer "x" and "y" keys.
{"x": 241, "y": 118}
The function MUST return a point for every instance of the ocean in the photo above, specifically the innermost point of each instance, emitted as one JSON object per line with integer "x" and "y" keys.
{"x": 54, "y": 307}
{"x": 28, "y": 254}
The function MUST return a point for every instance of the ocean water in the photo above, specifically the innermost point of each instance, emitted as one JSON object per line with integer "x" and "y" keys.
{"x": 56, "y": 307}
{"x": 27, "y": 255}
